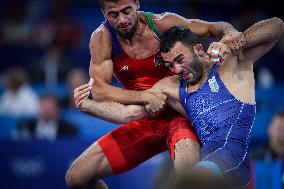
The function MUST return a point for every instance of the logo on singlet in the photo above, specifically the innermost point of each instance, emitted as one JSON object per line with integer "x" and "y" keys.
{"x": 213, "y": 84}
{"x": 124, "y": 68}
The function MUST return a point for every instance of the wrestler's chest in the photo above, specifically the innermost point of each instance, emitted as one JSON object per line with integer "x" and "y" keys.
{"x": 133, "y": 68}
{"x": 141, "y": 49}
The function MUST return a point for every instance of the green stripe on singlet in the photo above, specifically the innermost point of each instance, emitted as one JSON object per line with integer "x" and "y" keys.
{"x": 151, "y": 24}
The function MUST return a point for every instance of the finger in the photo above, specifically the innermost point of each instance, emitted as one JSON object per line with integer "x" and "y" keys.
{"x": 91, "y": 82}
{"x": 79, "y": 93}
{"x": 83, "y": 91}
{"x": 217, "y": 48}
{"x": 82, "y": 87}
{"x": 222, "y": 49}
{"x": 210, "y": 48}
{"x": 215, "y": 54}
{"x": 80, "y": 104}
{"x": 214, "y": 50}
{"x": 84, "y": 95}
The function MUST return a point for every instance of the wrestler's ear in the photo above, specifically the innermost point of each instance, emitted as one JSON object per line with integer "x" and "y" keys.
{"x": 199, "y": 51}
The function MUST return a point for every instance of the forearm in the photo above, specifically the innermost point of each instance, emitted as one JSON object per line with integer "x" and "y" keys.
{"x": 265, "y": 31}
{"x": 221, "y": 29}
{"x": 112, "y": 93}
{"x": 114, "y": 112}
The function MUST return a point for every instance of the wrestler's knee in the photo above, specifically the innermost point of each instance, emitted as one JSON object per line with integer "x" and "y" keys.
{"x": 187, "y": 151}
{"x": 73, "y": 177}
{"x": 89, "y": 167}
{"x": 77, "y": 178}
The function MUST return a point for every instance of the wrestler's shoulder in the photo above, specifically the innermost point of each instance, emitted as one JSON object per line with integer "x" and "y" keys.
{"x": 166, "y": 20}
{"x": 100, "y": 32}
{"x": 164, "y": 16}
{"x": 101, "y": 35}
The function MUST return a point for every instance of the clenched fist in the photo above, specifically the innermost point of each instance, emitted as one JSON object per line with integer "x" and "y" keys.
{"x": 156, "y": 102}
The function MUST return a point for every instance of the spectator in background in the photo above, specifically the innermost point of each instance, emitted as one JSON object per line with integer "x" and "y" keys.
{"x": 15, "y": 29}
{"x": 58, "y": 28}
{"x": 271, "y": 153}
{"x": 53, "y": 67}
{"x": 48, "y": 125}
{"x": 276, "y": 137}
{"x": 274, "y": 148}
{"x": 75, "y": 78}
{"x": 18, "y": 99}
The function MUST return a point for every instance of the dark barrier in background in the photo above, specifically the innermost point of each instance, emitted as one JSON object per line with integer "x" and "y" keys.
{"x": 43, "y": 164}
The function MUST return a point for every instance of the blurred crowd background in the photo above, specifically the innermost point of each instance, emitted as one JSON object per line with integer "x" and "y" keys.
{"x": 44, "y": 51}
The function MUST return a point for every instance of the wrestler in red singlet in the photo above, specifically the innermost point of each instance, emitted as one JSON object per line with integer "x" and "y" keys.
{"x": 135, "y": 142}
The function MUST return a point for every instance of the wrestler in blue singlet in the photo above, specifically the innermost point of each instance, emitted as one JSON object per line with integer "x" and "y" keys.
{"x": 223, "y": 125}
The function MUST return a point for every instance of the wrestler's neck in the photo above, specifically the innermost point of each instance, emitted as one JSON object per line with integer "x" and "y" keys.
{"x": 139, "y": 33}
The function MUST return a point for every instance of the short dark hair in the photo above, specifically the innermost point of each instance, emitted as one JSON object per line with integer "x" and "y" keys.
{"x": 102, "y": 2}
{"x": 178, "y": 34}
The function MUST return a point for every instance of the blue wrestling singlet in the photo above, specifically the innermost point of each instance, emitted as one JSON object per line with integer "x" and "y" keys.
{"x": 223, "y": 125}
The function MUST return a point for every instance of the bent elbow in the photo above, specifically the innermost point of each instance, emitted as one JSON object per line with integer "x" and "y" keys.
{"x": 277, "y": 20}
{"x": 279, "y": 27}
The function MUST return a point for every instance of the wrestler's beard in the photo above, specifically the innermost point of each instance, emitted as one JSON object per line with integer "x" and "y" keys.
{"x": 130, "y": 33}
{"x": 196, "y": 67}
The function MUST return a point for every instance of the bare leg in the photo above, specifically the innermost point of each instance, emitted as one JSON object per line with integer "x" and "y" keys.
{"x": 98, "y": 185}
{"x": 87, "y": 170}
{"x": 186, "y": 156}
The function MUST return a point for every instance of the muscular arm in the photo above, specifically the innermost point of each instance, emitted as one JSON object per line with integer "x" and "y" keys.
{"x": 101, "y": 69}
{"x": 199, "y": 27}
{"x": 224, "y": 31}
{"x": 119, "y": 113}
{"x": 261, "y": 37}
{"x": 113, "y": 111}
{"x": 170, "y": 87}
